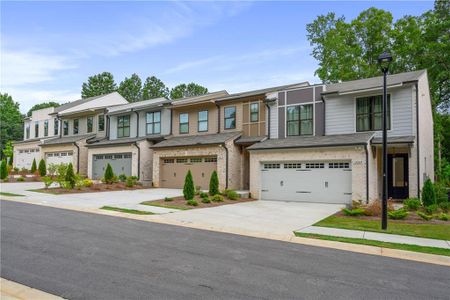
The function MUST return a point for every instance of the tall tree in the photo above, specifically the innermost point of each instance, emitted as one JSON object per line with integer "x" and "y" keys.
{"x": 189, "y": 90}
{"x": 11, "y": 121}
{"x": 99, "y": 84}
{"x": 154, "y": 88}
{"x": 41, "y": 106}
{"x": 130, "y": 88}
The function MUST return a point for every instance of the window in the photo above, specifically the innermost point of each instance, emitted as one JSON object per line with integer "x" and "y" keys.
{"x": 27, "y": 130}
{"x": 271, "y": 166}
{"x": 169, "y": 161}
{"x": 210, "y": 159}
{"x": 230, "y": 117}
{"x": 203, "y": 120}
{"x": 292, "y": 166}
{"x": 254, "y": 112}
{"x": 123, "y": 126}
{"x": 90, "y": 124}
{"x": 196, "y": 160}
{"x": 46, "y": 128}
{"x": 369, "y": 113}
{"x": 184, "y": 123}
{"x": 339, "y": 165}
{"x": 315, "y": 165}
{"x": 55, "y": 126}
{"x": 153, "y": 122}
{"x": 75, "y": 126}
{"x": 127, "y": 155}
{"x": 101, "y": 122}
{"x": 182, "y": 160}
{"x": 300, "y": 120}
{"x": 65, "y": 127}
{"x": 118, "y": 156}
{"x": 108, "y": 156}
{"x": 36, "y": 129}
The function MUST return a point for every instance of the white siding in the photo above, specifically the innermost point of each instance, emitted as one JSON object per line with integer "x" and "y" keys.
{"x": 274, "y": 121}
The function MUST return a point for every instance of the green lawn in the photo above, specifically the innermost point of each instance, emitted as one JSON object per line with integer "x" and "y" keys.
{"x": 430, "y": 250}
{"x": 129, "y": 211}
{"x": 11, "y": 194}
{"x": 150, "y": 203}
{"x": 432, "y": 231}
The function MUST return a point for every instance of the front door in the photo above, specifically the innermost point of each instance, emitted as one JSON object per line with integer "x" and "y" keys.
{"x": 398, "y": 176}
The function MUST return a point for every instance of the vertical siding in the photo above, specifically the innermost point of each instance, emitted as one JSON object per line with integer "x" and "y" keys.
{"x": 281, "y": 122}
{"x": 274, "y": 121}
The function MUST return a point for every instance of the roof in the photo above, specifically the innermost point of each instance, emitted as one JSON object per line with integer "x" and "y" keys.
{"x": 117, "y": 142}
{"x": 372, "y": 83}
{"x": 66, "y": 139}
{"x": 139, "y": 105}
{"x": 245, "y": 140}
{"x": 75, "y": 103}
{"x": 26, "y": 141}
{"x": 197, "y": 140}
{"x": 201, "y": 98}
{"x": 264, "y": 91}
{"x": 395, "y": 140}
{"x": 361, "y": 138}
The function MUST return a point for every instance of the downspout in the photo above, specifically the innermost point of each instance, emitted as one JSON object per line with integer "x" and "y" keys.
{"x": 268, "y": 120}
{"x": 367, "y": 173}
{"x": 170, "y": 122}
{"x": 226, "y": 165}
{"x": 107, "y": 127}
{"x": 137, "y": 124}
{"x": 417, "y": 139}
{"x": 139, "y": 159}
{"x": 218, "y": 125}
{"x": 59, "y": 125}
{"x": 78, "y": 156}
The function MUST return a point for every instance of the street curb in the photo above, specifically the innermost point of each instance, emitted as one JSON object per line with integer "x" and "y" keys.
{"x": 364, "y": 249}
{"x": 15, "y": 291}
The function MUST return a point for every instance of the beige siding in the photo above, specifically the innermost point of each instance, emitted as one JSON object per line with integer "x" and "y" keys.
{"x": 193, "y": 119}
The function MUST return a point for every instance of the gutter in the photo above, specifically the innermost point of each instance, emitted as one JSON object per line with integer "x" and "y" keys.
{"x": 306, "y": 147}
{"x": 268, "y": 120}
{"x": 107, "y": 126}
{"x": 417, "y": 139}
{"x": 78, "y": 156}
{"x": 139, "y": 160}
{"x": 367, "y": 172}
{"x": 218, "y": 120}
{"x": 137, "y": 124}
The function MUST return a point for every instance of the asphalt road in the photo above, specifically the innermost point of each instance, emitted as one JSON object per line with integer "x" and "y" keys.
{"x": 86, "y": 256}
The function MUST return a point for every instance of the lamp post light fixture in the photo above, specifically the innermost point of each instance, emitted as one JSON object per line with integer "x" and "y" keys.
{"x": 384, "y": 61}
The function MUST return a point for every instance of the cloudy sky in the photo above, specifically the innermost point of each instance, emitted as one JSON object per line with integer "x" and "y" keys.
{"x": 48, "y": 49}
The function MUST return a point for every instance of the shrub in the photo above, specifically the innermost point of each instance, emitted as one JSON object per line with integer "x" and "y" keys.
{"x": 87, "y": 182}
{"x": 61, "y": 171}
{"x": 16, "y": 169}
{"x": 3, "y": 170}
{"x": 374, "y": 208}
{"x": 356, "y": 204}
{"x": 122, "y": 177}
{"x": 217, "y": 198}
{"x": 424, "y": 216}
{"x": 109, "y": 175}
{"x": 42, "y": 168}
{"x": 47, "y": 181}
{"x": 188, "y": 189}
{"x": 398, "y": 214}
{"x": 441, "y": 192}
{"x": 443, "y": 217}
{"x": 192, "y": 202}
{"x": 431, "y": 209}
{"x": 70, "y": 176}
{"x": 412, "y": 203}
{"x": 51, "y": 169}
{"x": 78, "y": 182}
{"x": 33, "y": 166}
{"x": 168, "y": 199}
{"x": 21, "y": 179}
{"x": 353, "y": 212}
{"x": 232, "y": 195}
{"x": 214, "y": 184}
{"x": 206, "y": 200}
{"x": 444, "y": 206}
{"x": 428, "y": 193}
{"x": 131, "y": 181}
{"x": 203, "y": 195}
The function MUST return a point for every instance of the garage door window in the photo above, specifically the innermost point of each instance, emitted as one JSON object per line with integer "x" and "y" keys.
{"x": 293, "y": 166}
{"x": 123, "y": 126}
{"x": 153, "y": 120}
{"x": 314, "y": 165}
{"x": 271, "y": 166}
{"x": 182, "y": 160}
{"x": 300, "y": 120}
{"x": 339, "y": 165}
{"x": 210, "y": 159}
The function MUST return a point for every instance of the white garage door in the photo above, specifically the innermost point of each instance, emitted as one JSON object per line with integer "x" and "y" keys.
{"x": 24, "y": 158}
{"x": 65, "y": 157}
{"x": 325, "y": 182}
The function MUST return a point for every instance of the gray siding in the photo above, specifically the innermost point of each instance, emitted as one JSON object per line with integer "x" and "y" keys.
{"x": 281, "y": 122}
{"x": 165, "y": 121}
{"x": 300, "y": 96}
{"x": 113, "y": 125}
{"x": 319, "y": 119}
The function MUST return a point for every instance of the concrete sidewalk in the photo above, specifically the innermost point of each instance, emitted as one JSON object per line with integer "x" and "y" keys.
{"x": 376, "y": 236}
{"x": 10, "y": 290}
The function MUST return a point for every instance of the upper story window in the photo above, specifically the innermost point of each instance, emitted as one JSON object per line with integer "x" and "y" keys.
{"x": 153, "y": 120}
{"x": 65, "y": 127}
{"x": 46, "y": 128}
{"x": 55, "y": 126}
{"x": 123, "y": 126}
{"x": 101, "y": 122}
{"x": 230, "y": 117}
{"x": 369, "y": 113}
{"x": 36, "y": 129}
{"x": 76, "y": 123}
{"x": 300, "y": 120}
{"x": 203, "y": 120}
{"x": 27, "y": 130}
{"x": 90, "y": 124}
{"x": 184, "y": 123}
{"x": 254, "y": 112}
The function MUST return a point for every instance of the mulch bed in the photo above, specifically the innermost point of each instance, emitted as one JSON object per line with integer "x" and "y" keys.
{"x": 11, "y": 179}
{"x": 412, "y": 218}
{"x": 96, "y": 187}
{"x": 180, "y": 202}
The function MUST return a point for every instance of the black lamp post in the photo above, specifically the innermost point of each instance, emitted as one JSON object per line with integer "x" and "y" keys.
{"x": 384, "y": 60}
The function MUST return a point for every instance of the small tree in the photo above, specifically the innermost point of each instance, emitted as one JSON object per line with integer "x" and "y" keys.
{"x": 214, "y": 184}
{"x": 109, "y": 174}
{"x": 428, "y": 193}
{"x": 33, "y": 166}
{"x": 70, "y": 176}
{"x": 42, "y": 168}
{"x": 188, "y": 189}
{"x": 3, "y": 170}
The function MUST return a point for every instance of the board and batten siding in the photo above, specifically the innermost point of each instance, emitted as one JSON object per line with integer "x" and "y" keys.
{"x": 340, "y": 113}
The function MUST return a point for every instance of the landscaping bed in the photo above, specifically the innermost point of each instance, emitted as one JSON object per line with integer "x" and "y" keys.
{"x": 181, "y": 203}
{"x": 22, "y": 178}
{"x": 94, "y": 188}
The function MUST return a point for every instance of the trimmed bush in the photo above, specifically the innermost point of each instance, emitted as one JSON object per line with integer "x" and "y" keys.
{"x": 444, "y": 206}
{"x": 188, "y": 189}
{"x": 424, "y": 216}
{"x": 87, "y": 182}
{"x": 353, "y": 212}
{"x": 42, "y": 168}
{"x": 21, "y": 179}
{"x": 203, "y": 195}
{"x": 398, "y": 214}
{"x": 192, "y": 202}
{"x": 428, "y": 193}
{"x": 214, "y": 184}
{"x": 443, "y": 217}
{"x": 412, "y": 203}
{"x": 3, "y": 170}
{"x": 232, "y": 195}
{"x": 206, "y": 200}
{"x": 109, "y": 175}
{"x": 168, "y": 199}
{"x": 131, "y": 181}
{"x": 122, "y": 177}
{"x": 33, "y": 166}
{"x": 431, "y": 209}
{"x": 217, "y": 198}
{"x": 70, "y": 178}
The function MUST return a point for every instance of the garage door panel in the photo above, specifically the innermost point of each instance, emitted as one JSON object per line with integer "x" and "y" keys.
{"x": 173, "y": 171}
{"x": 120, "y": 163}
{"x": 64, "y": 157}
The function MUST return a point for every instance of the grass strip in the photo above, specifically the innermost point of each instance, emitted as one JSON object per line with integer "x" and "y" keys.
{"x": 11, "y": 194}
{"x": 44, "y": 191}
{"x": 128, "y": 211}
{"x": 150, "y": 203}
{"x": 414, "y": 248}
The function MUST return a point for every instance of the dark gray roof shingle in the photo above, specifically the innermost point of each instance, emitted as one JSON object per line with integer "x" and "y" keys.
{"x": 66, "y": 139}
{"x": 121, "y": 141}
{"x": 197, "y": 140}
{"x": 315, "y": 141}
{"x": 243, "y": 140}
{"x": 395, "y": 140}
